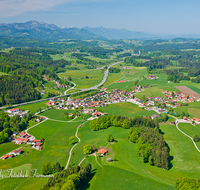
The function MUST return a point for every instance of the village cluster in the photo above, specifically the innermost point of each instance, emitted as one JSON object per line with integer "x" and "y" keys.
{"x": 88, "y": 105}
{"x": 23, "y": 138}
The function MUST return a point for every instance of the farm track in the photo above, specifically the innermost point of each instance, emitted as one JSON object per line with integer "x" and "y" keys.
{"x": 70, "y": 152}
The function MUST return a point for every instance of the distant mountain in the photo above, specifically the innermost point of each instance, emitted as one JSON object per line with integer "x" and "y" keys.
{"x": 42, "y": 30}
{"x": 117, "y": 34}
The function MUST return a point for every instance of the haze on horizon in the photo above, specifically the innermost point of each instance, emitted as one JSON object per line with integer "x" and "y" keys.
{"x": 150, "y": 16}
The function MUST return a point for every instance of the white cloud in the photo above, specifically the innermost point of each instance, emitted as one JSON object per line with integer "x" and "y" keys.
{"x": 9, "y": 8}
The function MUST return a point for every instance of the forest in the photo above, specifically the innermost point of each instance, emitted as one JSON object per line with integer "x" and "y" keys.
{"x": 72, "y": 178}
{"x": 185, "y": 183}
{"x": 25, "y": 69}
{"x": 10, "y": 124}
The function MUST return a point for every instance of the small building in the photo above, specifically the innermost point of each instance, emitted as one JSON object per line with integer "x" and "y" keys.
{"x": 13, "y": 110}
{"x": 154, "y": 116}
{"x": 17, "y": 152}
{"x": 102, "y": 151}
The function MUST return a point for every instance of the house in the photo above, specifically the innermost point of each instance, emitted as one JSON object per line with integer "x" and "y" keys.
{"x": 154, "y": 116}
{"x": 152, "y": 77}
{"x": 23, "y": 134}
{"x": 185, "y": 118}
{"x": 50, "y": 103}
{"x": 71, "y": 114}
{"x": 96, "y": 113}
{"x": 197, "y": 120}
{"x": 17, "y": 152}
{"x": 88, "y": 111}
{"x": 102, "y": 151}
{"x": 13, "y": 110}
{"x": 5, "y": 157}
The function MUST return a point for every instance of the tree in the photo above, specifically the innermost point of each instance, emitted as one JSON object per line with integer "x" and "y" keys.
{"x": 196, "y": 138}
{"x": 75, "y": 178}
{"x": 69, "y": 185}
{"x": 58, "y": 168}
{"x": 110, "y": 138}
{"x": 48, "y": 168}
{"x": 73, "y": 140}
{"x": 134, "y": 137}
{"x": 87, "y": 149}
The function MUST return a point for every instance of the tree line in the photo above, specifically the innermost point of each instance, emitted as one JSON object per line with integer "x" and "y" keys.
{"x": 10, "y": 124}
{"x": 185, "y": 183}
{"x": 71, "y": 178}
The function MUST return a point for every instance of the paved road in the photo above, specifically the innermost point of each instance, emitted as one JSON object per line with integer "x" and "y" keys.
{"x": 94, "y": 87}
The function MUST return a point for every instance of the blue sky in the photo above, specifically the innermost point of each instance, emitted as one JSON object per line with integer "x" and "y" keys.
{"x": 152, "y": 16}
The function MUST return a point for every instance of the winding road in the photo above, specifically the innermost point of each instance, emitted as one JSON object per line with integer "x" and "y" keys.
{"x": 91, "y": 88}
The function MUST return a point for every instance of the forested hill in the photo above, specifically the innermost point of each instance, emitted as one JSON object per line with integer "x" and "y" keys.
{"x": 44, "y": 31}
{"x": 25, "y": 69}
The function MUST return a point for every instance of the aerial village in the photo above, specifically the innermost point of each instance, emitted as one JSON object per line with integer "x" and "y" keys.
{"x": 158, "y": 104}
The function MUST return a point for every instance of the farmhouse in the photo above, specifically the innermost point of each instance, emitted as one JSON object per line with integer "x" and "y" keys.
{"x": 152, "y": 77}
{"x": 17, "y": 152}
{"x": 13, "y": 110}
{"x": 102, "y": 151}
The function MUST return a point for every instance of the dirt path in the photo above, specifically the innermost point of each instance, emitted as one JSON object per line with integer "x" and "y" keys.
{"x": 70, "y": 152}
{"x": 177, "y": 122}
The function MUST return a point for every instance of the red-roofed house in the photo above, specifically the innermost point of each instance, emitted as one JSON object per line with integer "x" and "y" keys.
{"x": 96, "y": 113}
{"x": 13, "y": 110}
{"x": 102, "y": 151}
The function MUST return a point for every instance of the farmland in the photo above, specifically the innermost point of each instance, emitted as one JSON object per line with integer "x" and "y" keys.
{"x": 84, "y": 79}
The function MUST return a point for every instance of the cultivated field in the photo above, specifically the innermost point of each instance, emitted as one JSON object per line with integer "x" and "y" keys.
{"x": 187, "y": 90}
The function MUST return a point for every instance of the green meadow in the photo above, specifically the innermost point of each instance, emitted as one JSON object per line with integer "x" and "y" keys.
{"x": 7, "y": 147}
{"x": 34, "y": 106}
{"x": 57, "y": 114}
{"x": 125, "y": 109}
{"x": 55, "y": 149}
{"x": 193, "y": 109}
{"x": 112, "y": 77}
{"x": 185, "y": 158}
{"x": 81, "y": 80}
{"x": 133, "y": 172}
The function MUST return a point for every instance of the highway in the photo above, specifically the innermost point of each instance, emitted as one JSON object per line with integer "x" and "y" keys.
{"x": 91, "y": 88}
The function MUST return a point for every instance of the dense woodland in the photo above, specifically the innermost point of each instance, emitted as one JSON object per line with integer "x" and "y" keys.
{"x": 72, "y": 178}
{"x": 185, "y": 183}
{"x": 25, "y": 69}
{"x": 151, "y": 145}
{"x": 10, "y": 124}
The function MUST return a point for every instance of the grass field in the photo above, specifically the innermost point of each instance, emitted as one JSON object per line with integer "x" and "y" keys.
{"x": 197, "y": 90}
{"x": 34, "y": 106}
{"x": 55, "y": 149}
{"x": 186, "y": 159}
{"x": 189, "y": 129}
{"x": 137, "y": 73}
{"x": 32, "y": 183}
{"x": 79, "y": 77}
{"x": 193, "y": 109}
{"x": 57, "y": 114}
{"x": 112, "y": 77}
{"x": 126, "y": 109}
{"x": 7, "y": 147}
{"x": 132, "y": 171}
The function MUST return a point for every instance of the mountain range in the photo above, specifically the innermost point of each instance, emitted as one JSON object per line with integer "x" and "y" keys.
{"x": 51, "y": 32}
{"x": 42, "y": 30}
